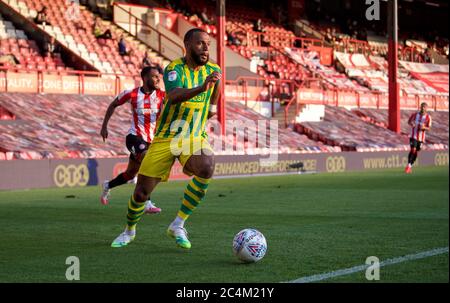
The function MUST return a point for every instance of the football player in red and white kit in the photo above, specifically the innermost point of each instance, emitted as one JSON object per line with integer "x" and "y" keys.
{"x": 146, "y": 105}
{"x": 420, "y": 123}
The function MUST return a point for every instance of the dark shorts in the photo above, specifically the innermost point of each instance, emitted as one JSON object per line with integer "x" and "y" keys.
{"x": 415, "y": 144}
{"x": 136, "y": 145}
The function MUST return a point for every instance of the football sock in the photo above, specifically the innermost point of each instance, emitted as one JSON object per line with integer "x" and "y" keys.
{"x": 193, "y": 195}
{"x": 178, "y": 221}
{"x": 135, "y": 211}
{"x": 414, "y": 157}
{"x": 410, "y": 156}
{"x": 119, "y": 180}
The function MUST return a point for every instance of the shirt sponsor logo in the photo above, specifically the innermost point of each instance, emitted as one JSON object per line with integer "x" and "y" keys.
{"x": 143, "y": 111}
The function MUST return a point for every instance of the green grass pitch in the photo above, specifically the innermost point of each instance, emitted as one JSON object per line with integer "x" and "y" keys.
{"x": 313, "y": 224}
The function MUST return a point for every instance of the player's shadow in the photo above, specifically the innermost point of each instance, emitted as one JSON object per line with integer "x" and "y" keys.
{"x": 232, "y": 261}
{"x": 224, "y": 262}
{"x": 92, "y": 165}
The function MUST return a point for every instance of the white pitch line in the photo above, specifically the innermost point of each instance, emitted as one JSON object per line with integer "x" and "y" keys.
{"x": 351, "y": 270}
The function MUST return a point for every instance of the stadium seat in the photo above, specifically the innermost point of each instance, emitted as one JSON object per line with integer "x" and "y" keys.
{"x": 72, "y": 120}
{"x": 348, "y": 130}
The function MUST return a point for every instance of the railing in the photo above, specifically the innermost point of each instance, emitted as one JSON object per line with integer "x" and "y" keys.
{"x": 291, "y": 41}
{"x": 344, "y": 45}
{"x": 134, "y": 22}
{"x": 256, "y": 84}
{"x": 95, "y": 83}
{"x": 306, "y": 84}
{"x": 363, "y": 47}
{"x": 273, "y": 86}
{"x": 312, "y": 91}
{"x": 286, "y": 110}
{"x": 64, "y": 82}
{"x": 305, "y": 43}
{"x": 275, "y": 91}
{"x": 348, "y": 45}
{"x": 369, "y": 99}
{"x": 412, "y": 52}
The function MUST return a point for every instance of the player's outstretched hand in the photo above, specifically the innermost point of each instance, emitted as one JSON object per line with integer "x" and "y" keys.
{"x": 104, "y": 133}
{"x": 211, "y": 80}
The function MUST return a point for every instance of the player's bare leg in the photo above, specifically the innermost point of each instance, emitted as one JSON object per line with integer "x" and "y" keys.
{"x": 129, "y": 174}
{"x": 123, "y": 178}
{"x": 136, "y": 206}
{"x": 202, "y": 168}
{"x": 150, "y": 208}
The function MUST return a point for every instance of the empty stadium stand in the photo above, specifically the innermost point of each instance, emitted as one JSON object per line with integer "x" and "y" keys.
{"x": 274, "y": 63}
{"x": 311, "y": 61}
{"x": 28, "y": 55}
{"x": 438, "y": 138}
{"x": 372, "y": 72}
{"x": 362, "y": 65}
{"x": 45, "y": 126}
{"x": 366, "y": 130}
{"x": 74, "y": 29}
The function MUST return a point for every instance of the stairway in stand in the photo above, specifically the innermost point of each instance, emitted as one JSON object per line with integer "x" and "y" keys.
{"x": 280, "y": 116}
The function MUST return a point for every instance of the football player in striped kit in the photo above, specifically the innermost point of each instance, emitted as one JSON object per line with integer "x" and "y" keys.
{"x": 146, "y": 104}
{"x": 420, "y": 123}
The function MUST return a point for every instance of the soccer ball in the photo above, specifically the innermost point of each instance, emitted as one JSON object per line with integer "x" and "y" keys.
{"x": 249, "y": 245}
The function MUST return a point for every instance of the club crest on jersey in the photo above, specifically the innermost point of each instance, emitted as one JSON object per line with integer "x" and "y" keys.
{"x": 172, "y": 76}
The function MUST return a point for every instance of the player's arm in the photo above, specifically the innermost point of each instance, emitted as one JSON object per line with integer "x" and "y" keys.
{"x": 411, "y": 121}
{"x": 214, "y": 99}
{"x": 174, "y": 86}
{"x": 178, "y": 95}
{"x": 118, "y": 101}
{"x": 427, "y": 126}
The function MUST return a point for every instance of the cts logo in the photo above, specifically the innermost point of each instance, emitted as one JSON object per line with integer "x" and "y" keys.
{"x": 335, "y": 164}
{"x": 441, "y": 159}
{"x": 71, "y": 175}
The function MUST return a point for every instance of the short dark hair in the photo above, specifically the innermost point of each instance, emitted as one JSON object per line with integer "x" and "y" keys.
{"x": 190, "y": 33}
{"x": 148, "y": 69}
